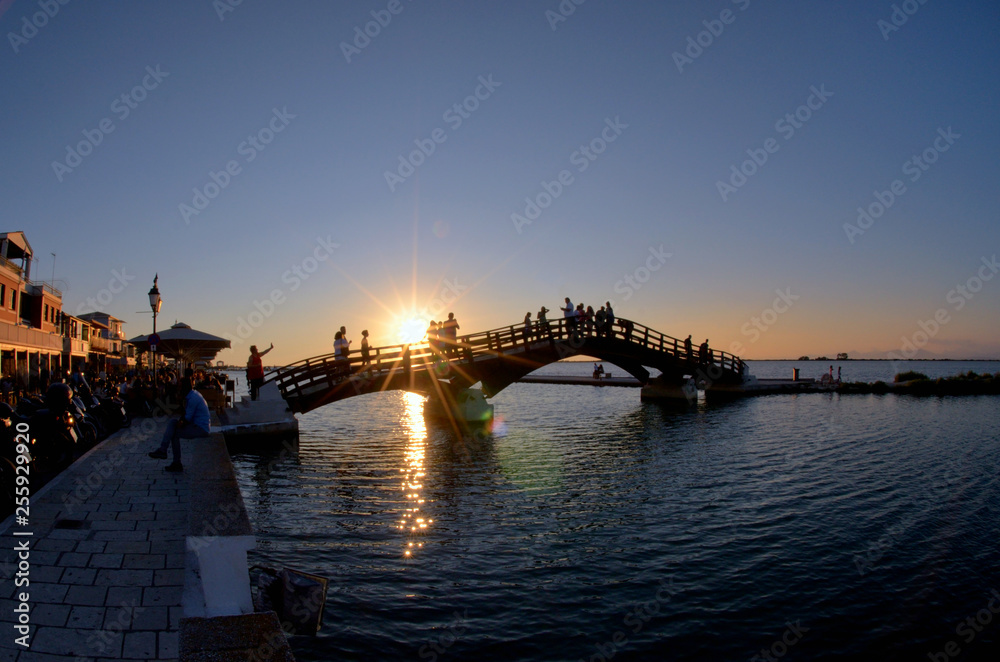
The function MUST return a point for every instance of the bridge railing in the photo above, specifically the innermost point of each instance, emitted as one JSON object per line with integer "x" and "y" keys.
{"x": 326, "y": 370}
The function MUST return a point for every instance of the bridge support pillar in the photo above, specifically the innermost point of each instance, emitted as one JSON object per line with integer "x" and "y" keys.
{"x": 660, "y": 389}
{"x": 468, "y": 405}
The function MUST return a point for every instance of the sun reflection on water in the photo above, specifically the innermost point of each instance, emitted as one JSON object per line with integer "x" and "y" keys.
{"x": 413, "y": 523}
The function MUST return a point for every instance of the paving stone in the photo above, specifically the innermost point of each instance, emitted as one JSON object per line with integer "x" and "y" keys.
{"x": 175, "y": 561}
{"x": 46, "y": 614}
{"x": 86, "y": 618}
{"x": 68, "y": 534}
{"x": 174, "y": 577}
{"x": 90, "y": 546}
{"x": 54, "y": 593}
{"x": 137, "y": 515}
{"x": 127, "y": 547}
{"x": 120, "y": 535}
{"x": 106, "y": 560}
{"x": 72, "y": 642}
{"x": 50, "y": 545}
{"x": 140, "y": 646}
{"x": 46, "y": 573}
{"x": 113, "y": 525}
{"x": 107, "y": 577}
{"x": 144, "y": 561}
{"x": 151, "y": 618}
{"x": 167, "y": 644}
{"x": 161, "y": 596}
{"x": 74, "y": 560}
{"x": 86, "y": 595}
{"x": 120, "y": 618}
{"x": 80, "y": 576}
{"x": 119, "y": 596}
{"x": 102, "y": 515}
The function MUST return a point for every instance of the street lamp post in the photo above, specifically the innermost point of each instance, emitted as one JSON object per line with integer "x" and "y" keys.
{"x": 154, "y": 303}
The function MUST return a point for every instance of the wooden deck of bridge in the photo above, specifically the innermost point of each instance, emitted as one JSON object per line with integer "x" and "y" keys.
{"x": 496, "y": 358}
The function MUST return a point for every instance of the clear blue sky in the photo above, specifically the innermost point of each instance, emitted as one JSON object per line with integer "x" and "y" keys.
{"x": 650, "y": 200}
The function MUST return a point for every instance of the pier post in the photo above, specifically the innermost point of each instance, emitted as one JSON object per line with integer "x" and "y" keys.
{"x": 678, "y": 391}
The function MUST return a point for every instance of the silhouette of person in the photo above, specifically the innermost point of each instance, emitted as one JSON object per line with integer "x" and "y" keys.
{"x": 688, "y": 353}
{"x": 255, "y": 370}
{"x": 569, "y": 314}
{"x": 526, "y": 331}
{"x": 451, "y": 333}
{"x": 365, "y": 356}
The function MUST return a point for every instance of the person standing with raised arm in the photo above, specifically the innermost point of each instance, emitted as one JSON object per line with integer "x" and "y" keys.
{"x": 255, "y": 370}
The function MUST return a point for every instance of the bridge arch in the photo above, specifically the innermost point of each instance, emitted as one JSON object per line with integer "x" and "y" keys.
{"x": 496, "y": 359}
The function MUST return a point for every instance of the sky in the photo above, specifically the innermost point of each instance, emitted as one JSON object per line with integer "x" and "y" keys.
{"x": 783, "y": 178}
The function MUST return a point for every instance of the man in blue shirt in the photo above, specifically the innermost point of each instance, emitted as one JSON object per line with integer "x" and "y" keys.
{"x": 196, "y": 423}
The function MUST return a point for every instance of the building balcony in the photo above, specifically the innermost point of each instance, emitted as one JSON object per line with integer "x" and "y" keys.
{"x": 27, "y": 338}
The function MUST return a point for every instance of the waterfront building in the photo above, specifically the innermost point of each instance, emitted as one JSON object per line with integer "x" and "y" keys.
{"x": 30, "y": 314}
{"x": 37, "y": 336}
{"x": 108, "y": 344}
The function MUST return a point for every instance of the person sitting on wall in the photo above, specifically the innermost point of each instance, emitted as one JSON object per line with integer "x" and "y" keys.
{"x": 194, "y": 424}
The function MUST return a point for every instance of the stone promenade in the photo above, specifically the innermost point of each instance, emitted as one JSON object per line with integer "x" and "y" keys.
{"x": 106, "y": 558}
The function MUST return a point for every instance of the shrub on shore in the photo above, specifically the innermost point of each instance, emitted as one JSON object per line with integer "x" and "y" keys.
{"x": 909, "y": 376}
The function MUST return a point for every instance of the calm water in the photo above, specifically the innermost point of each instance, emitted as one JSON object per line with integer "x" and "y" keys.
{"x": 589, "y": 524}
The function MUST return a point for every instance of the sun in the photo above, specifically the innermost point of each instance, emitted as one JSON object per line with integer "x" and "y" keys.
{"x": 410, "y": 330}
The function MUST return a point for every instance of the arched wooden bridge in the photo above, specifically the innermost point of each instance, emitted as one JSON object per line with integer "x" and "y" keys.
{"x": 498, "y": 358}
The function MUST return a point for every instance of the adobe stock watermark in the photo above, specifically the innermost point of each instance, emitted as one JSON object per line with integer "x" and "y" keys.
{"x": 969, "y": 628}
{"x": 223, "y": 7}
{"x": 566, "y": 8}
{"x": 779, "y": 648}
{"x": 450, "y": 292}
{"x": 363, "y": 37}
{"x": 633, "y": 282}
{"x": 293, "y": 277}
{"x": 635, "y": 621}
{"x": 454, "y": 117}
{"x": 447, "y": 638}
{"x": 958, "y": 297}
{"x": 122, "y": 106}
{"x": 758, "y": 325}
{"x": 30, "y": 27}
{"x": 249, "y": 149}
{"x": 714, "y": 28}
{"x": 867, "y": 560}
{"x": 116, "y": 285}
{"x": 786, "y": 126}
{"x": 581, "y": 158}
{"x": 914, "y": 167}
{"x": 900, "y": 15}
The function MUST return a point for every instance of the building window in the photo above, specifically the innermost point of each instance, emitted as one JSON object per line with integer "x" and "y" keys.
{"x": 45, "y": 315}
{"x": 13, "y": 300}
{"x": 3, "y": 294}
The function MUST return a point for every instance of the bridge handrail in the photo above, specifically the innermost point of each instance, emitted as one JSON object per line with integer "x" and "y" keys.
{"x": 494, "y": 342}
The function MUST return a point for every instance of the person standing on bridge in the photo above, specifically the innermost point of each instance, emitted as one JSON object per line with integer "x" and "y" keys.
{"x": 609, "y": 317}
{"x": 704, "y": 353}
{"x": 526, "y": 331}
{"x": 601, "y": 320}
{"x": 255, "y": 370}
{"x": 366, "y": 360}
{"x": 542, "y": 325}
{"x": 569, "y": 315}
{"x": 451, "y": 334}
{"x": 688, "y": 352}
{"x": 340, "y": 350}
